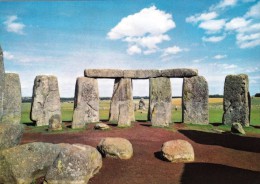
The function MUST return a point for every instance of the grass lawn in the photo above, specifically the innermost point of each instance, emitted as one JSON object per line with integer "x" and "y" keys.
{"x": 215, "y": 114}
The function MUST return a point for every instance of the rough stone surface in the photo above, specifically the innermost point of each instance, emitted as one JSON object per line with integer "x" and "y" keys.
{"x": 195, "y": 100}
{"x": 236, "y": 100}
{"x": 141, "y": 74}
{"x": 122, "y": 105}
{"x": 86, "y": 105}
{"x": 46, "y": 99}
{"x": 237, "y": 128}
{"x": 10, "y": 135}
{"x": 55, "y": 123}
{"x": 160, "y": 104}
{"x": 104, "y": 73}
{"x": 101, "y": 126}
{"x": 116, "y": 147}
{"x": 179, "y": 72}
{"x": 178, "y": 151}
{"x": 12, "y": 99}
{"x": 141, "y": 104}
{"x": 75, "y": 164}
{"x": 2, "y": 82}
{"x": 22, "y": 164}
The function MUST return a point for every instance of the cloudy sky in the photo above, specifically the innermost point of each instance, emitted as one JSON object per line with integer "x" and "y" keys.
{"x": 63, "y": 38}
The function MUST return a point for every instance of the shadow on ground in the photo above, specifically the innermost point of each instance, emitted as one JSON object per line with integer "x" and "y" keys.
{"x": 237, "y": 142}
{"x": 205, "y": 173}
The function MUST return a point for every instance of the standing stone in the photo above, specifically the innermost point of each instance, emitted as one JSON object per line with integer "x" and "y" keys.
{"x": 195, "y": 100}
{"x": 45, "y": 100}
{"x": 160, "y": 104}
{"x": 2, "y": 82}
{"x": 141, "y": 104}
{"x": 12, "y": 99}
{"x": 236, "y": 100}
{"x": 122, "y": 106}
{"x": 86, "y": 105}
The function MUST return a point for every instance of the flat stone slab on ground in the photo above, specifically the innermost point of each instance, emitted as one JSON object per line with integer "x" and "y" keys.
{"x": 178, "y": 151}
{"x": 10, "y": 135}
{"x": 75, "y": 164}
{"x": 116, "y": 147}
{"x": 101, "y": 126}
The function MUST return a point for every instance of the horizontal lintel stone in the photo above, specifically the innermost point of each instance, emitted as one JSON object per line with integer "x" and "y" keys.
{"x": 140, "y": 74}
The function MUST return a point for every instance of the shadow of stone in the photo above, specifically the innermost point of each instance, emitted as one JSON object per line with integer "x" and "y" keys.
{"x": 216, "y": 124}
{"x": 146, "y": 124}
{"x": 159, "y": 155}
{"x": 205, "y": 173}
{"x": 30, "y": 123}
{"x": 112, "y": 124}
{"x": 251, "y": 144}
{"x": 255, "y": 126}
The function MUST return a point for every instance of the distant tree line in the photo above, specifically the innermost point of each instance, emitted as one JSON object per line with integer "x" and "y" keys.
{"x": 71, "y": 99}
{"x": 257, "y": 95}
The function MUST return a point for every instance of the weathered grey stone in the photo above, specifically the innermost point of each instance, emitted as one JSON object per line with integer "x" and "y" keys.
{"x": 195, "y": 100}
{"x": 2, "y": 82}
{"x": 46, "y": 99}
{"x": 141, "y": 104}
{"x": 101, "y": 126}
{"x": 75, "y": 164}
{"x": 236, "y": 100}
{"x": 116, "y": 147}
{"x": 179, "y": 73}
{"x": 160, "y": 104}
{"x": 10, "y": 135}
{"x": 86, "y": 105}
{"x": 22, "y": 164}
{"x": 104, "y": 73}
{"x": 122, "y": 106}
{"x": 237, "y": 128}
{"x": 141, "y": 74}
{"x": 178, "y": 151}
{"x": 55, "y": 123}
{"x": 12, "y": 99}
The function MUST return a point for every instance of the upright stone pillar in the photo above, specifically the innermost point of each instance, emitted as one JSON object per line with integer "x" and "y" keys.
{"x": 236, "y": 100}
{"x": 2, "y": 82}
{"x": 45, "y": 100}
{"x": 122, "y": 106}
{"x": 12, "y": 99}
{"x": 86, "y": 102}
{"x": 195, "y": 100}
{"x": 160, "y": 101}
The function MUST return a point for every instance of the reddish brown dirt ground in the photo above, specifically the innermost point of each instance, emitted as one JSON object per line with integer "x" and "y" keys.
{"x": 219, "y": 158}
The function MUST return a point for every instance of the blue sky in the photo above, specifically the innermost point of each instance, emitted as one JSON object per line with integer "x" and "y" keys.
{"x": 63, "y": 38}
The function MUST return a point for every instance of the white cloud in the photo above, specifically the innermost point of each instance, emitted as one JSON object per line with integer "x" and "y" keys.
{"x": 200, "y": 60}
{"x": 13, "y": 26}
{"x": 144, "y": 30}
{"x": 253, "y": 28}
{"x": 172, "y": 50}
{"x": 248, "y": 41}
{"x": 212, "y": 25}
{"x": 8, "y": 55}
{"x": 219, "y": 56}
{"x": 201, "y": 17}
{"x": 224, "y": 4}
{"x": 213, "y": 39}
{"x": 134, "y": 49}
{"x": 237, "y": 23}
{"x": 254, "y": 11}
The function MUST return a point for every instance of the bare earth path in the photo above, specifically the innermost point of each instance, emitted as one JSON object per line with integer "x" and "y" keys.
{"x": 219, "y": 158}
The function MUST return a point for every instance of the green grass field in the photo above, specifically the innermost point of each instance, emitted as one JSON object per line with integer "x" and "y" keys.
{"x": 215, "y": 113}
